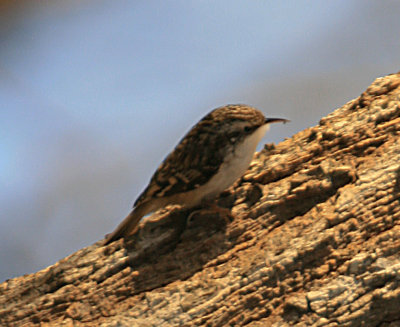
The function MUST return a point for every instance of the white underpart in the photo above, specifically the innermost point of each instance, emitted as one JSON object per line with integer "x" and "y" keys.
{"x": 234, "y": 166}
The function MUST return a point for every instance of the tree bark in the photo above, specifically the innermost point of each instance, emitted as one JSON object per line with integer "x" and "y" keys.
{"x": 314, "y": 241}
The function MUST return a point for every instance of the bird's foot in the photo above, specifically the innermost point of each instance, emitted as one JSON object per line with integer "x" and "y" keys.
{"x": 211, "y": 211}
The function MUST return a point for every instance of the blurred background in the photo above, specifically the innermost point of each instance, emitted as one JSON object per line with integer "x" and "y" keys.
{"x": 94, "y": 94}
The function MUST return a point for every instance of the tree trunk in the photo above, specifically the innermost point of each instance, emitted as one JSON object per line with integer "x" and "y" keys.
{"x": 314, "y": 241}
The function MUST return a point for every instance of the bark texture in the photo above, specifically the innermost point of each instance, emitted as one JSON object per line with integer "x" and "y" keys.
{"x": 315, "y": 242}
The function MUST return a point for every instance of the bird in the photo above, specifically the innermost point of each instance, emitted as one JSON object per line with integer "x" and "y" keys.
{"x": 208, "y": 159}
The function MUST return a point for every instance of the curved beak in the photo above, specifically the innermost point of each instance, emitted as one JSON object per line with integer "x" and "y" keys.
{"x": 276, "y": 120}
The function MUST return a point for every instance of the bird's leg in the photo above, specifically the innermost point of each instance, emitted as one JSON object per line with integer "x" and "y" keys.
{"x": 211, "y": 207}
{"x": 225, "y": 213}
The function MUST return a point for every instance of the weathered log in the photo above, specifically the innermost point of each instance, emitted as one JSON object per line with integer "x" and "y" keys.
{"x": 315, "y": 242}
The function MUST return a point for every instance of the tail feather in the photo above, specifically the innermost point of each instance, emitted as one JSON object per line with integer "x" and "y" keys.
{"x": 127, "y": 226}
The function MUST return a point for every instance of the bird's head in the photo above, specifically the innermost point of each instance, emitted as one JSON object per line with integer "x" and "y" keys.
{"x": 237, "y": 120}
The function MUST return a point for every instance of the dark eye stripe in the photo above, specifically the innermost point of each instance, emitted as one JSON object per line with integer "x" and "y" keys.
{"x": 249, "y": 129}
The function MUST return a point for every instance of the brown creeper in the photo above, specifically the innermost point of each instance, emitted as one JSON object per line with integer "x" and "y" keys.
{"x": 209, "y": 158}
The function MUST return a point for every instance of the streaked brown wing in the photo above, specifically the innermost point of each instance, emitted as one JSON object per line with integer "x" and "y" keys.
{"x": 201, "y": 152}
{"x": 193, "y": 162}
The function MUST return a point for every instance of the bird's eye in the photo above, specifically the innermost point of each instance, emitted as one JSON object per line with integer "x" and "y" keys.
{"x": 247, "y": 129}
{"x": 233, "y": 136}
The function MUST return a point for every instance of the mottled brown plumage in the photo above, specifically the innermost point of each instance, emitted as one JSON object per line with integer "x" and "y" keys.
{"x": 200, "y": 153}
{"x": 195, "y": 169}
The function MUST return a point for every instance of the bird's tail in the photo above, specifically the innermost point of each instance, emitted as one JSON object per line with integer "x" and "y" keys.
{"x": 128, "y": 226}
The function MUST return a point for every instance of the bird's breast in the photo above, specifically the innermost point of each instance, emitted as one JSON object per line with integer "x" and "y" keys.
{"x": 235, "y": 164}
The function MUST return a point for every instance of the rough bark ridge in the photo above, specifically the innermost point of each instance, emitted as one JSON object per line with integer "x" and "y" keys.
{"x": 315, "y": 242}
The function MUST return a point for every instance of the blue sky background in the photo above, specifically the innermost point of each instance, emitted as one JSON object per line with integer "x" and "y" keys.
{"x": 94, "y": 94}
